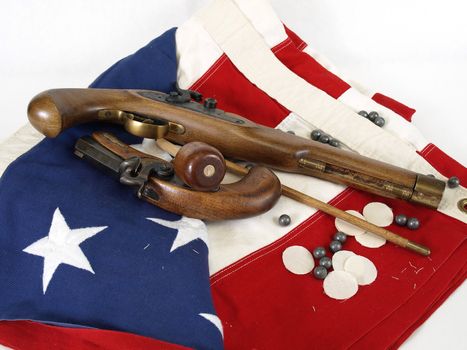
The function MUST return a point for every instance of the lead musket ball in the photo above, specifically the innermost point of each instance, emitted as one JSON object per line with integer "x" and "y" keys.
{"x": 316, "y": 134}
{"x": 319, "y": 252}
{"x": 364, "y": 114}
{"x": 379, "y": 121}
{"x": 324, "y": 139}
{"x": 284, "y": 220}
{"x": 373, "y": 115}
{"x": 334, "y": 143}
{"x": 340, "y": 236}
{"x": 326, "y": 262}
{"x": 320, "y": 272}
{"x": 335, "y": 246}
{"x": 453, "y": 182}
{"x": 400, "y": 220}
{"x": 413, "y": 223}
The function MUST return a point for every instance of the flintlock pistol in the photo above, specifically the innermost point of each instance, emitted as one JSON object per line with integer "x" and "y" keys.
{"x": 190, "y": 185}
{"x": 180, "y": 118}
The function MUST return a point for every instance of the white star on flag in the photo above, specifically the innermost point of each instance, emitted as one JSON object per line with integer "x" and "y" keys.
{"x": 188, "y": 230}
{"x": 215, "y": 321}
{"x": 61, "y": 246}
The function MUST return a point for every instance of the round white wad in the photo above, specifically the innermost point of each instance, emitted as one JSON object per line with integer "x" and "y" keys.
{"x": 347, "y": 228}
{"x": 340, "y": 285}
{"x": 370, "y": 240}
{"x": 362, "y": 269}
{"x": 298, "y": 260}
{"x": 378, "y": 214}
{"x": 339, "y": 258}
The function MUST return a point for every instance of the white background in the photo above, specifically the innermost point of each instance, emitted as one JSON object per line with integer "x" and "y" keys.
{"x": 415, "y": 51}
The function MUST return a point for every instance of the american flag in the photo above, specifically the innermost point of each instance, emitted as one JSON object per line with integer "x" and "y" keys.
{"x": 90, "y": 264}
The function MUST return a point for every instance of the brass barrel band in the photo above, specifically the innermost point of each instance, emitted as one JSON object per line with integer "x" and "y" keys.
{"x": 428, "y": 191}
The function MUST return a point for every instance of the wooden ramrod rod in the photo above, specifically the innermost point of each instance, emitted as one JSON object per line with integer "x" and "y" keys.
{"x": 176, "y": 117}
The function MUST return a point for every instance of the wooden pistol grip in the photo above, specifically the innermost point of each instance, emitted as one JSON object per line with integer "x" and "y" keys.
{"x": 254, "y": 194}
{"x": 53, "y": 111}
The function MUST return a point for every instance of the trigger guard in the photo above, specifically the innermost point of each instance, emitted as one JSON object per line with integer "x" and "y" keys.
{"x": 146, "y": 127}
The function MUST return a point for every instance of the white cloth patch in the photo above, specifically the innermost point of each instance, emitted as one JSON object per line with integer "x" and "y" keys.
{"x": 378, "y": 214}
{"x": 188, "y": 230}
{"x": 61, "y": 246}
{"x": 362, "y": 268}
{"x": 370, "y": 240}
{"x": 340, "y": 285}
{"x": 347, "y": 228}
{"x": 339, "y": 258}
{"x": 298, "y": 260}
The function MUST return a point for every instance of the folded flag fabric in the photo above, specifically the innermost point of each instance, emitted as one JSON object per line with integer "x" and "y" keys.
{"x": 38, "y": 336}
{"x": 79, "y": 250}
{"x": 260, "y": 304}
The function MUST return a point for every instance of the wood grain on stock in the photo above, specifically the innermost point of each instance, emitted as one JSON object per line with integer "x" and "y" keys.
{"x": 254, "y": 194}
{"x": 320, "y": 205}
{"x": 55, "y": 110}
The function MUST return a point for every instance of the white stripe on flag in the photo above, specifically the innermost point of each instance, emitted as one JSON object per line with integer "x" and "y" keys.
{"x": 265, "y": 20}
{"x": 20, "y": 142}
{"x": 232, "y": 240}
{"x": 395, "y": 124}
{"x": 246, "y": 49}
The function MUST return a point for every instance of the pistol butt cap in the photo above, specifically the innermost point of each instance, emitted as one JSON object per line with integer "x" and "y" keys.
{"x": 200, "y": 166}
{"x": 44, "y": 115}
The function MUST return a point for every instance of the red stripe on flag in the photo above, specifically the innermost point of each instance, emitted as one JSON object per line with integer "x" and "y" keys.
{"x": 395, "y": 106}
{"x": 388, "y": 102}
{"x": 264, "y": 305}
{"x": 26, "y": 335}
{"x": 309, "y": 69}
{"x": 224, "y": 82}
{"x": 444, "y": 163}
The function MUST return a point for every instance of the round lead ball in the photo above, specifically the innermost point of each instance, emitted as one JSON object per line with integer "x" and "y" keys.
{"x": 413, "y": 223}
{"x": 320, "y": 272}
{"x": 364, "y": 114}
{"x": 340, "y": 236}
{"x": 316, "y": 134}
{"x": 325, "y": 262}
{"x": 335, "y": 246}
{"x": 319, "y": 252}
{"x": 373, "y": 115}
{"x": 324, "y": 138}
{"x": 334, "y": 143}
{"x": 284, "y": 220}
{"x": 400, "y": 220}
{"x": 379, "y": 121}
{"x": 453, "y": 182}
